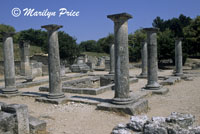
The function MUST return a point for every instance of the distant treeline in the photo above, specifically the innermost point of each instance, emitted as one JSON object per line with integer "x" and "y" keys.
{"x": 183, "y": 26}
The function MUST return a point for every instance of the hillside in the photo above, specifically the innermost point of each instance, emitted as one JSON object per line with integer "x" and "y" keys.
{"x": 33, "y": 50}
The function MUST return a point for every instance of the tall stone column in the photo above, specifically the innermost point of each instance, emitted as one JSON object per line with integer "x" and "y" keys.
{"x": 112, "y": 59}
{"x": 25, "y": 62}
{"x": 144, "y": 59}
{"x": 55, "y": 85}
{"x": 178, "y": 57}
{"x": 121, "y": 58}
{"x": 9, "y": 65}
{"x": 123, "y": 101}
{"x": 152, "y": 83}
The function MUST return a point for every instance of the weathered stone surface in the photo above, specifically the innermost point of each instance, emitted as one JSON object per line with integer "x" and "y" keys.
{"x": 144, "y": 60}
{"x": 183, "y": 120}
{"x": 9, "y": 65}
{"x": 176, "y": 123}
{"x": 112, "y": 59}
{"x": 80, "y": 68}
{"x": 137, "y": 122}
{"x": 37, "y": 126}
{"x": 25, "y": 69}
{"x": 22, "y": 116}
{"x": 170, "y": 81}
{"x": 121, "y": 129}
{"x": 2, "y": 104}
{"x": 154, "y": 128}
{"x": 36, "y": 69}
{"x": 55, "y": 85}
{"x": 106, "y": 80}
{"x": 152, "y": 83}
{"x": 178, "y": 57}
{"x": 131, "y": 109}
{"x": 7, "y": 123}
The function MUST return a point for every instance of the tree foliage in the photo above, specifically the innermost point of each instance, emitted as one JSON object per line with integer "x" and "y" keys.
{"x": 192, "y": 37}
{"x": 69, "y": 49}
{"x": 6, "y": 28}
{"x": 36, "y": 37}
{"x": 134, "y": 41}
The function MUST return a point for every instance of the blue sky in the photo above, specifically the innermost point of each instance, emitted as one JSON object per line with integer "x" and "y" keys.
{"x": 92, "y": 22}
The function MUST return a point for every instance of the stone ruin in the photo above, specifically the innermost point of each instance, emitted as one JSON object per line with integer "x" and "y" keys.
{"x": 176, "y": 123}
{"x": 80, "y": 66}
{"x": 14, "y": 119}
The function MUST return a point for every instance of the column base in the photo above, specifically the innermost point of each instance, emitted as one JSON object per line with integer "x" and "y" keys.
{"x": 138, "y": 107}
{"x": 160, "y": 91}
{"x": 10, "y": 90}
{"x": 55, "y": 95}
{"x": 142, "y": 75}
{"x": 122, "y": 101}
{"x": 9, "y": 94}
{"x": 154, "y": 86}
{"x": 178, "y": 74}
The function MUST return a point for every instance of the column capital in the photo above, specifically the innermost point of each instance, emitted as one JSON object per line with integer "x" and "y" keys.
{"x": 119, "y": 17}
{"x": 52, "y": 27}
{"x": 151, "y": 30}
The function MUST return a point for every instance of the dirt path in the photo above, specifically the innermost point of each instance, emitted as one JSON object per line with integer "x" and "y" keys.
{"x": 74, "y": 118}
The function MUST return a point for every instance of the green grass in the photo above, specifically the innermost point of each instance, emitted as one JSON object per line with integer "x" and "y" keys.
{"x": 95, "y": 54}
{"x": 33, "y": 50}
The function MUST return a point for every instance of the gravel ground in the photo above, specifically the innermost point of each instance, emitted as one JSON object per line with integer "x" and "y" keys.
{"x": 75, "y": 118}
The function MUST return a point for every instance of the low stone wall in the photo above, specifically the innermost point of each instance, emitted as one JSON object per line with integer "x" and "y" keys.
{"x": 14, "y": 119}
{"x": 176, "y": 123}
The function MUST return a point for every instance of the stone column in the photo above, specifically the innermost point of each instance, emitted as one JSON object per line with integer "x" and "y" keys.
{"x": 121, "y": 58}
{"x": 25, "y": 62}
{"x": 55, "y": 85}
{"x": 152, "y": 83}
{"x": 178, "y": 57}
{"x": 9, "y": 65}
{"x": 144, "y": 59}
{"x": 112, "y": 59}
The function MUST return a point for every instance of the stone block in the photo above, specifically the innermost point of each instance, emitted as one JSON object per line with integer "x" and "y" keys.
{"x": 37, "y": 126}
{"x": 7, "y": 123}
{"x": 22, "y": 116}
{"x": 137, "y": 122}
{"x": 183, "y": 120}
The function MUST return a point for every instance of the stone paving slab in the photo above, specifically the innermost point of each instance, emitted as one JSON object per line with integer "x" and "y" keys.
{"x": 37, "y": 126}
{"x": 52, "y": 101}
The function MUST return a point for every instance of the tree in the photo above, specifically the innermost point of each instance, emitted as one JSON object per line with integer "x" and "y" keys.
{"x": 69, "y": 49}
{"x": 134, "y": 41}
{"x": 36, "y": 37}
{"x": 192, "y": 37}
{"x": 88, "y": 46}
{"x": 5, "y": 28}
{"x": 166, "y": 45}
{"x": 159, "y": 23}
{"x": 103, "y": 44}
